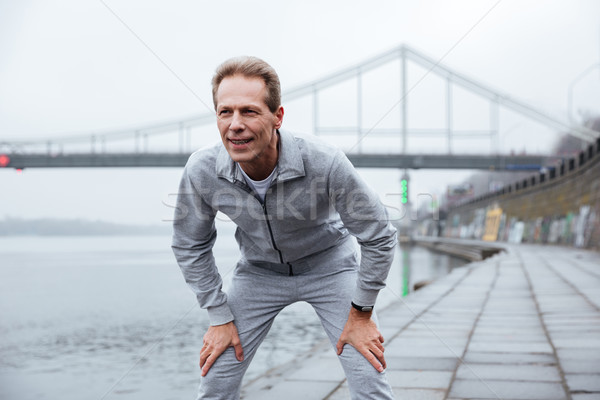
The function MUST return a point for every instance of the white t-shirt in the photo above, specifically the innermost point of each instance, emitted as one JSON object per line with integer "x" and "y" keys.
{"x": 260, "y": 187}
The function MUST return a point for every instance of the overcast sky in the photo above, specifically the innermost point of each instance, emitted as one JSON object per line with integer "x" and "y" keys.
{"x": 75, "y": 67}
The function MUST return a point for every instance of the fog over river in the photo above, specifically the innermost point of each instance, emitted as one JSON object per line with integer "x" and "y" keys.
{"x": 111, "y": 317}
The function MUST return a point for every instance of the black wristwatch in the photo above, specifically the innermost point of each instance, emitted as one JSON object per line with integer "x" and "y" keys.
{"x": 362, "y": 308}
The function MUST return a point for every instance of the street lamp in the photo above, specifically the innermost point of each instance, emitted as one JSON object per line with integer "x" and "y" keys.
{"x": 572, "y": 85}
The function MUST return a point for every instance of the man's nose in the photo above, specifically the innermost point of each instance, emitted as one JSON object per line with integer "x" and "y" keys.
{"x": 237, "y": 122}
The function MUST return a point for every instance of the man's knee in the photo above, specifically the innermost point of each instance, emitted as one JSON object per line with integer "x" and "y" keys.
{"x": 224, "y": 379}
{"x": 363, "y": 379}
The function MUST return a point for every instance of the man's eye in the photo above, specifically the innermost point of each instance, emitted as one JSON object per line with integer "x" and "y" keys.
{"x": 223, "y": 112}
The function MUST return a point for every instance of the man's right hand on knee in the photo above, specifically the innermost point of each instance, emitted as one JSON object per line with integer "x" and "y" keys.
{"x": 216, "y": 340}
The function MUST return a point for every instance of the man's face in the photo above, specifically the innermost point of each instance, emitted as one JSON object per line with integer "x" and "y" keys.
{"x": 246, "y": 124}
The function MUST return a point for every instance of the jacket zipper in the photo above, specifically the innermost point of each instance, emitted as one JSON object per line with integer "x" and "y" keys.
{"x": 264, "y": 207}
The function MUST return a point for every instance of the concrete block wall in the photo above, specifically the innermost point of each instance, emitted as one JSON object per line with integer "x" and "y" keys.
{"x": 561, "y": 205}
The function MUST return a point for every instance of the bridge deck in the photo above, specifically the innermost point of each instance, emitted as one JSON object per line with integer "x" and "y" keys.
{"x": 410, "y": 161}
{"x": 524, "y": 324}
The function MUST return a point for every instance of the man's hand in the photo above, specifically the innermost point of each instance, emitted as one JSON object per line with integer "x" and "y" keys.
{"x": 361, "y": 332}
{"x": 216, "y": 340}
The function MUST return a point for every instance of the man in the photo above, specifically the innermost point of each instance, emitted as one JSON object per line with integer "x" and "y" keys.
{"x": 295, "y": 201}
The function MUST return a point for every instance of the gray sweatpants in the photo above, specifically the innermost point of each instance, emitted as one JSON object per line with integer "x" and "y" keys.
{"x": 257, "y": 295}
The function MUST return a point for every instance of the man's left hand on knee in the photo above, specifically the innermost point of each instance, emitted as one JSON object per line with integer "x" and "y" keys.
{"x": 362, "y": 333}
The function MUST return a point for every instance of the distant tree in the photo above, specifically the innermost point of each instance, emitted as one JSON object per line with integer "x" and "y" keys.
{"x": 568, "y": 145}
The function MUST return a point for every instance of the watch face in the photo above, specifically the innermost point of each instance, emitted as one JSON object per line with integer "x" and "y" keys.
{"x": 367, "y": 309}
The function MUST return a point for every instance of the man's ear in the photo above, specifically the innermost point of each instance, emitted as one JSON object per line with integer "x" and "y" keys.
{"x": 279, "y": 117}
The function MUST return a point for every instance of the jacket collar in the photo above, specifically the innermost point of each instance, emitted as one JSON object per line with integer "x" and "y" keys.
{"x": 289, "y": 165}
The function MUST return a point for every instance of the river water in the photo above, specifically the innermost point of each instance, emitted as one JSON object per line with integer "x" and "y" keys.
{"x": 112, "y": 318}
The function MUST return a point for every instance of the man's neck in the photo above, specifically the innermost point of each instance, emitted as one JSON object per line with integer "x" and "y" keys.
{"x": 261, "y": 167}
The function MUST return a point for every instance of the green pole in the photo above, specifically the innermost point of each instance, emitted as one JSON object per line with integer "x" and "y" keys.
{"x": 405, "y": 271}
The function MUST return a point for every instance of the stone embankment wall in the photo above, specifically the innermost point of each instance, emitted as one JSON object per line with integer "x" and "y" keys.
{"x": 560, "y": 205}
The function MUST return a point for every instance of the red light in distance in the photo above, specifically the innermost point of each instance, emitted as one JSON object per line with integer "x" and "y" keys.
{"x": 4, "y": 160}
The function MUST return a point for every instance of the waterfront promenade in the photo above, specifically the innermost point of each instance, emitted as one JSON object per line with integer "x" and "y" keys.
{"x": 523, "y": 324}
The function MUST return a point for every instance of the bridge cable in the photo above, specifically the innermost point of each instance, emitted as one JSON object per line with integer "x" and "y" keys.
{"x": 426, "y": 73}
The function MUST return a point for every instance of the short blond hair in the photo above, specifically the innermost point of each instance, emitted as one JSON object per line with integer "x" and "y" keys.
{"x": 250, "y": 67}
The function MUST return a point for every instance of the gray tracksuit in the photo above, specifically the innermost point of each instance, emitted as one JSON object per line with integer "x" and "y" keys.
{"x": 314, "y": 187}
{"x": 316, "y": 200}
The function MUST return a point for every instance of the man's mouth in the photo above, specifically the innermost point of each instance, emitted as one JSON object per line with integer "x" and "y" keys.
{"x": 238, "y": 142}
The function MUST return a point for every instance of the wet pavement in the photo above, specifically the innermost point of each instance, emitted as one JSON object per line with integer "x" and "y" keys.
{"x": 523, "y": 324}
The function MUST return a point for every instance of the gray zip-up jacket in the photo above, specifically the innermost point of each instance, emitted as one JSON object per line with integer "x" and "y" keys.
{"x": 316, "y": 199}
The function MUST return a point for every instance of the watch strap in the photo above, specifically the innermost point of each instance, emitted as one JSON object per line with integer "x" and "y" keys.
{"x": 362, "y": 308}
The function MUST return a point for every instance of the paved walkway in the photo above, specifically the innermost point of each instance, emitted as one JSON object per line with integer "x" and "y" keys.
{"x": 524, "y": 324}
